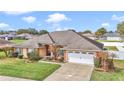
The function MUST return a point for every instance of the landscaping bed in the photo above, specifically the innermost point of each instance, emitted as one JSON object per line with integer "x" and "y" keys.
{"x": 118, "y": 75}
{"x": 15, "y": 67}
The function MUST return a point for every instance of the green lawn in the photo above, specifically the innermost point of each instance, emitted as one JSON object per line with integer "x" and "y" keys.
{"x": 113, "y": 48}
{"x": 110, "y": 40}
{"x": 118, "y": 75}
{"x": 17, "y": 41}
{"x": 18, "y": 68}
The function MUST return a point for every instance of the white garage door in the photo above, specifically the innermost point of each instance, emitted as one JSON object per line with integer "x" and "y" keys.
{"x": 81, "y": 58}
{"x": 113, "y": 38}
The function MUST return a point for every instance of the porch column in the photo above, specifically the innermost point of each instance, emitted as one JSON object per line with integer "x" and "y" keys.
{"x": 51, "y": 54}
{"x": 65, "y": 56}
{"x": 25, "y": 52}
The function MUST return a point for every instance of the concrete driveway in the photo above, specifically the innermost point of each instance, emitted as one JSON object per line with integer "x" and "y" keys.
{"x": 72, "y": 72}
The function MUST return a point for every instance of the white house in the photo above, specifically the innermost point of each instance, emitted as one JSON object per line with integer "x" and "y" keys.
{"x": 112, "y": 36}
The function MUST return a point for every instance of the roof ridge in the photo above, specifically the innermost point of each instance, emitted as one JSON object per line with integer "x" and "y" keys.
{"x": 51, "y": 37}
{"x": 89, "y": 40}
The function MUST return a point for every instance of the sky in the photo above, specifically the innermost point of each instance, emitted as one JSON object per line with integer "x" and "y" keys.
{"x": 60, "y": 20}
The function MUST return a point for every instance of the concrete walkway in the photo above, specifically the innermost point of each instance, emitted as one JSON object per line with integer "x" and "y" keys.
{"x": 6, "y": 78}
{"x": 72, "y": 72}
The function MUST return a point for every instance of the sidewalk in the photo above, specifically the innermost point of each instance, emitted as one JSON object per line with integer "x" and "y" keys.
{"x": 7, "y": 78}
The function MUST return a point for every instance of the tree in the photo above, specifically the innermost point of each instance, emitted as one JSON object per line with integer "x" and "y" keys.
{"x": 100, "y": 32}
{"x": 42, "y": 32}
{"x": 29, "y": 30}
{"x": 87, "y": 31}
{"x": 120, "y": 28}
{"x": 105, "y": 61}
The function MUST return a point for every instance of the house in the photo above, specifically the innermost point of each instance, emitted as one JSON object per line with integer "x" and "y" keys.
{"x": 7, "y": 36}
{"x": 68, "y": 44}
{"x": 89, "y": 35}
{"x": 24, "y": 36}
{"x": 112, "y": 36}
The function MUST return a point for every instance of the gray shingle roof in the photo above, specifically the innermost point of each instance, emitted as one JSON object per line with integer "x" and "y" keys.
{"x": 114, "y": 34}
{"x": 88, "y": 34}
{"x": 70, "y": 40}
{"x": 34, "y": 43}
{"x": 5, "y": 43}
{"x": 73, "y": 40}
{"x": 2, "y": 41}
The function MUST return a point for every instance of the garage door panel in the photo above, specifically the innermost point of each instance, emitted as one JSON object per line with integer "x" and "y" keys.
{"x": 80, "y": 58}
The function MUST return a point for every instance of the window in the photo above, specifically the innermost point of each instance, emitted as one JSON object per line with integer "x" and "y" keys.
{"x": 83, "y": 52}
{"x": 90, "y": 53}
{"x": 77, "y": 52}
{"x": 18, "y": 50}
{"x": 70, "y": 51}
{"x": 61, "y": 52}
{"x": 30, "y": 50}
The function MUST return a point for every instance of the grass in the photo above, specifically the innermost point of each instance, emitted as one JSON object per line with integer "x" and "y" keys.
{"x": 110, "y": 40}
{"x": 15, "y": 67}
{"x": 118, "y": 75}
{"x": 18, "y": 41}
{"x": 113, "y": 48}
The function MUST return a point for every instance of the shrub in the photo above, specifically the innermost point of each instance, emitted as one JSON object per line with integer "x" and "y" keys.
{"x": 13, "y": 54}
{"x": 61, "y": 59}
{"x": 20, "y": 56}
{"x": 96, "y": 63}
{"x": 34, "y": 56}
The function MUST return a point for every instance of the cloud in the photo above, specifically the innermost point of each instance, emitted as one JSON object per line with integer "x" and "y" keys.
{"x": 56, "y": 18}
{"x": 3, "y": 25}
{"x": 29, "y": 19}
{"x": 65, "y": 28}
{"x": 16, "y": 12}
{"x": 117, "y": 18}
{"x": 58, "y": 29}
{"x": 105, "y": 24}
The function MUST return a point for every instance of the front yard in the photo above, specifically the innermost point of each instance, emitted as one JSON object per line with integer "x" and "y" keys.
{"x": 110, "y": 40}
{"x": 15, "y": 67}
{"x": 118, "y": 75}
{"x": 111, "y": 48}
{"x": 18, "y": 41}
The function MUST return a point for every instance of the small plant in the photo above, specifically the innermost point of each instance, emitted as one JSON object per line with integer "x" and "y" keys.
{"x": 20, "y": 56}
{"x": 97, "y": 63}
{"x": 13, "y": 54}
{"x": 34, "y": 56}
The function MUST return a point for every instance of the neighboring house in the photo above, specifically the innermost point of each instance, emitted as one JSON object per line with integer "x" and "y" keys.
{"x": 90, "y": 35}
{"x": 113, "y": 36}
{"x": 67, "y": 44}
{"x": 24, "y": 36}
{"x": 7, "y": 36}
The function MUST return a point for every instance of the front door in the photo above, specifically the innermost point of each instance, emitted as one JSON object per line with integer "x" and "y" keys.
{"x": 47, "y": 50}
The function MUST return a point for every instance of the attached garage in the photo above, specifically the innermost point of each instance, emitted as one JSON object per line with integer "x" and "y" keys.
{"x": 81, "y": 58}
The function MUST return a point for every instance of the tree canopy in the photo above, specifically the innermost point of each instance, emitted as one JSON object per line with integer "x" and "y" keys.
{"x": 32, "y": 31}
{"x": 120, "y": 28}
{"x": 101, "y": 31}
{"x": 87, "y": 31}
